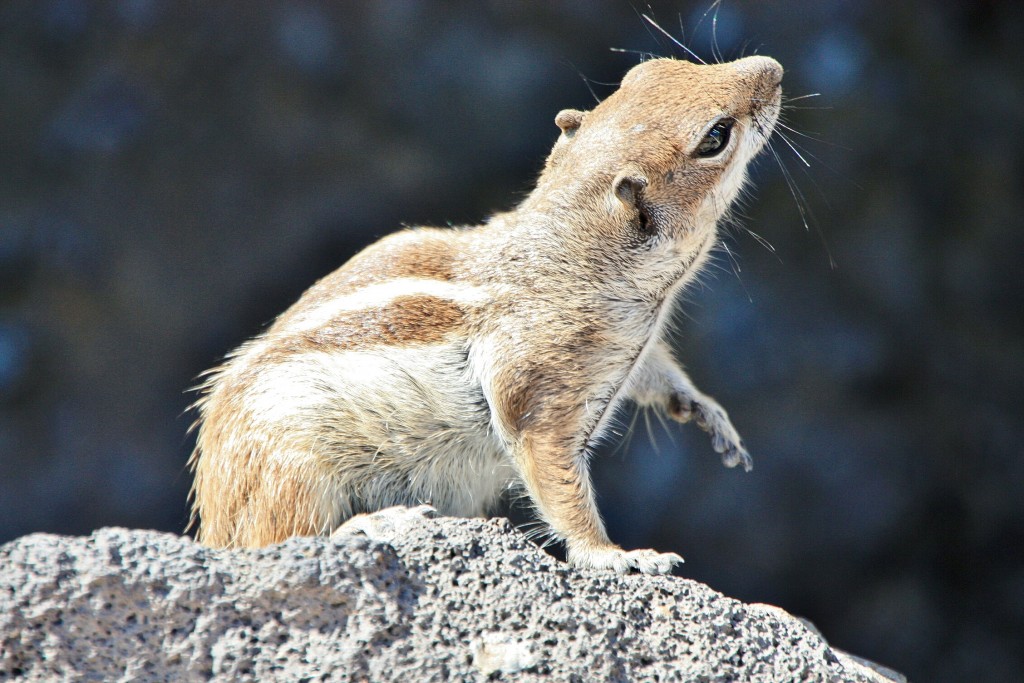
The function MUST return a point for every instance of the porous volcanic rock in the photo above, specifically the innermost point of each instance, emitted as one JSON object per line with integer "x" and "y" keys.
{"x": 401, "y": 598}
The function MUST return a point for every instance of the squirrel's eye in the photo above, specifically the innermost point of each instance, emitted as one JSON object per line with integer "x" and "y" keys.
{"x": 716, "y": 139}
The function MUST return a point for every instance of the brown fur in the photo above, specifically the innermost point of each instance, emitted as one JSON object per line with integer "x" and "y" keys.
{"x": 421, "y": 253}
{"x": 405, "y": 320}
{"x": 426, "y": 253}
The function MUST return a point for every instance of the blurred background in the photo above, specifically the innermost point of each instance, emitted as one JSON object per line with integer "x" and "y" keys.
{"x": 173, "y": 175}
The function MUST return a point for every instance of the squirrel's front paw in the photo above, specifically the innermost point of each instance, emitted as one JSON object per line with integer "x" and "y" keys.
{"x": 713, "y": 419}
{"x": 622, "y": 561}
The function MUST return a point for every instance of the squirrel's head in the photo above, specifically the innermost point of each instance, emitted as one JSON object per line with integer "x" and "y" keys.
{"x": 662, "y": 158}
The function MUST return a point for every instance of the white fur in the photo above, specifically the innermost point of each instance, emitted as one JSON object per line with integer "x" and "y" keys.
{"x": 411, "y": 403}
{"x": 381, "y": 294}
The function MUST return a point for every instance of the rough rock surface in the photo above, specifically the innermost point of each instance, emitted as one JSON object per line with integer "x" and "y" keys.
{"x": 401, "y": 598}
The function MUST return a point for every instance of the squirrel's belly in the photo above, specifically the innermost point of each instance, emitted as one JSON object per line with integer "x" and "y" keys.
{"x": 388, "y": 427}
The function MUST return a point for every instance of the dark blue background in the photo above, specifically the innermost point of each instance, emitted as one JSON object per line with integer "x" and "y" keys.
{"x": 173, "y": 175}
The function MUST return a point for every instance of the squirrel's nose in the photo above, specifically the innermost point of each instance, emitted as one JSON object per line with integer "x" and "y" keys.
{"x": 762, "y": 67}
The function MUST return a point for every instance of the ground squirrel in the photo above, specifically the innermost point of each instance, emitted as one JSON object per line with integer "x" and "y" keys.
{"x": 443, "y": 366}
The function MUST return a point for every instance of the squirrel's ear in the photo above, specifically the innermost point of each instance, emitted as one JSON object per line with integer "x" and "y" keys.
{"x": 569, "y": 120}
{"x": 628, "y": 185}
